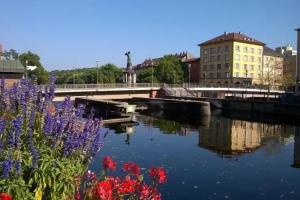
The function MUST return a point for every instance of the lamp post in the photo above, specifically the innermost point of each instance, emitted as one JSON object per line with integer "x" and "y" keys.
{"x": 246, "y": 74}
{"x": 97, "y": 70}
{"x": 152, "y": 73}
{"x": 189, "y": 66}
{"x": 73, "y": 77}
{"x": 204, "y": 75}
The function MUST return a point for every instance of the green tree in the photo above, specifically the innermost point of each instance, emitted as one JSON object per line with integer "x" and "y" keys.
{"x": 145, "y": 76}
{"x": 34, "y": 60}
{"x": 169, "y": 70}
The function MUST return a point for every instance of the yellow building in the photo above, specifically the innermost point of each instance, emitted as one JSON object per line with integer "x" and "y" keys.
{"x": 231, "y": 58}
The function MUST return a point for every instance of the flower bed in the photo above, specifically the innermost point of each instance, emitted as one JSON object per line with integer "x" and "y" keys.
{"x": 45, "y": 152}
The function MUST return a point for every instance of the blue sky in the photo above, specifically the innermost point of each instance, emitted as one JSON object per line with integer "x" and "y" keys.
{"x": 67, "y": 33}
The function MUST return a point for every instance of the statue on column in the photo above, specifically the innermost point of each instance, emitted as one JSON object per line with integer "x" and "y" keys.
{"x": 129, "y": 64}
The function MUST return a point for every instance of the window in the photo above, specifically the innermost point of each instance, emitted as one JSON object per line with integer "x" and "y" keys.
{"x": 211, "y": 75}
{"x": 245, "y": 49}
{"x": 226, "y": 65}
{"x": 226, "y": 48}
{"x": 219, "y": 58}
{"x": 211, "y": 67}
{"x": 237, "y": 65}
{"x": 218, "y": 74}
{"x": 205, "y": 51}
{"x": 227, "y": 75}
{"x": 259, "y": 59}
{"x": 252, "y": 67}
{"x": 246, "y": 58}
{"x": 237, "y": 74}
{"x": 205, "y": 59}
{"x": 245, "y": 66}
{"x": 219, "y": 66}
{"x": 212, "y": 59}
{"x": 212, "y": 50}
{"x": 259, "y": 51}
{"x": 219, "y": 49}
{"x": 204, "y": 67}
{"x": 251, "y": 75}
{"x": 237, "y": 48}
{"x": 252, "y": 58}
{"x": 226, "y": 57}
{"x": 237, "y": 57}
{"x": 259, "y": 67}
{"x": 252, "y": 50}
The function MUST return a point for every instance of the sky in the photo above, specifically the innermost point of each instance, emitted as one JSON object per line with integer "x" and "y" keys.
{"x": 77, "y": 33}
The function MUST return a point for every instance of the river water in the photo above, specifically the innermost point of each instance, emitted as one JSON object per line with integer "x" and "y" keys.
{"x": 214, "y": 157}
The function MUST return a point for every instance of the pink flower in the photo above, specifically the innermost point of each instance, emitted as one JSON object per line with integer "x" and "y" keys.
{"x": 158, "y": 174}
{"x": 108, "y": 163}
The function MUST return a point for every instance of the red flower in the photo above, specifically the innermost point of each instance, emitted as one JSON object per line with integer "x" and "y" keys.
{"x": 132, "y": 168}
{"x": 127, "y": 186}
{"x": 108, "y": 163}
{"x": 104, "y": 190}
{"x": 77, "y": 196}
{"x": 158, "y": 174}
{"x": 149, "y": 193}
{"x": 5, "y": 196}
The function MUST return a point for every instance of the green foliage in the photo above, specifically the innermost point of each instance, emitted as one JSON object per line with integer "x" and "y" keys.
{"x": 169, "y": 70}
{"x": 108, "y": 73}
{"x": 34, "y": 60}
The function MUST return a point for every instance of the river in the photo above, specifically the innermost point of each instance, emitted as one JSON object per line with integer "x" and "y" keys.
{"x": 217, "y": 157}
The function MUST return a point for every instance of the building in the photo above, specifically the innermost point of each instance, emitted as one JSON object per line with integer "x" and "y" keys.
{"x": 231, "y": 58}
{"x": 286, "y": 50}
{"x": 289, "y": 63}
{"x": 193, "y": 69}
{"x": 10, "y": 69}
{"x": 272, "y": 71}
{"x": 183, "y": 56}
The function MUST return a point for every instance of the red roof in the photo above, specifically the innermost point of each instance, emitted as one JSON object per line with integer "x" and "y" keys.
{"x": 238, "y": 37}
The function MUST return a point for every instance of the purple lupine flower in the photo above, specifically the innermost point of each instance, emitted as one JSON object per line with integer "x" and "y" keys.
{"x": 7, "y": 167}
{"x": 35, "y": 155}
{"x": 32, "y": 118}
{"x": 97, "y": 143}
{"x": 51, "y": 87}
{"x": 11, "y": 138}
{"x": 48, "y": 125}
{"x": 18, "y": 166}
{"x": 2, "y": 94}
{"x": 2, "y": 125}
{"x": 17, "y": 123}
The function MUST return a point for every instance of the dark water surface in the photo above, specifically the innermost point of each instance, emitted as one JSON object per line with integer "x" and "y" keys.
{"x": 212, "y": 158}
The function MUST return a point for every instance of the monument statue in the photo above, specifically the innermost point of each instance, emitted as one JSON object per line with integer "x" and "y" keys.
{"x": 129, "y": 64}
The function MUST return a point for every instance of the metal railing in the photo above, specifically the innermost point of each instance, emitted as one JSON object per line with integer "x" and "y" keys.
{"x": 187, "y": 86}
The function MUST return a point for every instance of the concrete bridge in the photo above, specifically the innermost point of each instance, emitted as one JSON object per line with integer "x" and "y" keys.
{"x": 147, "y": 90}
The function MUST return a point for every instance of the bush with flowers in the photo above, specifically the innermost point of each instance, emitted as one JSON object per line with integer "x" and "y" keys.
{"x": 45, "y": 150}
{"x": 132, "y": 186}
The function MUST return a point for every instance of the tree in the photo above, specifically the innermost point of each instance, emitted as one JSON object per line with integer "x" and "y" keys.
{"x": 145, "y": 76}
{"x": 34, "y": 60}
{"x": 169, "y": 70}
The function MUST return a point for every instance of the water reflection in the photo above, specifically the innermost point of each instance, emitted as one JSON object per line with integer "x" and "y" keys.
{"x": 231, "y": 137}
{"x": 296, "y": 162}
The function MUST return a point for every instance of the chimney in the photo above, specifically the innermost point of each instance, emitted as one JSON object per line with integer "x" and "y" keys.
{"x": 225, "y": 33}
{"x": 239, "y": 32}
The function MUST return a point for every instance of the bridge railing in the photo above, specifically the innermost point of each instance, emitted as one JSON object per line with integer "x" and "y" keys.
{"x": 159, "y": 85}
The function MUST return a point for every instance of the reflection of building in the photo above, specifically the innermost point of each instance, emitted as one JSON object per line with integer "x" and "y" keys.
{"x": 298, "y": 55}
{"x": 227, "y": 136}
{"x": 231, "y": 57}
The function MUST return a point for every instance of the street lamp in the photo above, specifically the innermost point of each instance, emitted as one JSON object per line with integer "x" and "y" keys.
{"x": 204, "y": 75}
{"x": 189, "y": 66}
{"x": 73, "y": 76}
{"x": 97, "y": 70}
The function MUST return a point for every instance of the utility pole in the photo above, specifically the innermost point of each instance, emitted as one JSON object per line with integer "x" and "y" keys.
{"x": 97, "y": 71}
{"x": 189, "y": 65}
